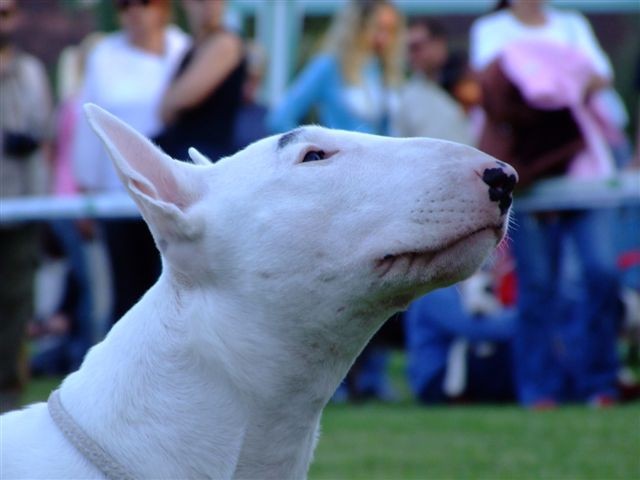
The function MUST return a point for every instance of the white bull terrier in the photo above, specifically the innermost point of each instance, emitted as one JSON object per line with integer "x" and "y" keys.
{"x": 280, "y": 263}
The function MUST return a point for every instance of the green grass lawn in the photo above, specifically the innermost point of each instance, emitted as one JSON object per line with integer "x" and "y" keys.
{"x": 412, "y": 442}
{"x": 407, "y": 441}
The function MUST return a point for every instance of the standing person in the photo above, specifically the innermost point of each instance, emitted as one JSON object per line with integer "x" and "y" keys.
{"x": 25, "y": 115}
{"x": 559, "y": 354}
{"x": 201, "y": 104}
{"x": 353, "y": 81}
{"x": 353, "y": 85}
{"x": 424, "y": 108}
{"x": 127, "y": 72}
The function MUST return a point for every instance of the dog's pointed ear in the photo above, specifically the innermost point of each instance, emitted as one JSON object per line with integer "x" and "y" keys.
{"x": 162, "y": 187}
{"x": 198, "y": 158}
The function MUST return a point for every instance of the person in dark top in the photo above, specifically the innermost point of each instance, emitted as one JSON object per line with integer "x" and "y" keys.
{"x": 200, "y": 105}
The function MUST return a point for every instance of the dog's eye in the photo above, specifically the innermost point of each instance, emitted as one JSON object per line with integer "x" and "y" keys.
{"x": 314, "y": 155}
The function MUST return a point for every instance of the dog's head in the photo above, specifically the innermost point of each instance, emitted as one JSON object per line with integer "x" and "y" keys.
{"x": 317, "y": 220}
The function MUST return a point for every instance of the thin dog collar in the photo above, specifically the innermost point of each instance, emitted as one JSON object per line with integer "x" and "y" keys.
{"x": 87, "y": 447}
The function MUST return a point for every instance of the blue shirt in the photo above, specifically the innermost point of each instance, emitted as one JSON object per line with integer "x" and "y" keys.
{"x": 321, "y": 84}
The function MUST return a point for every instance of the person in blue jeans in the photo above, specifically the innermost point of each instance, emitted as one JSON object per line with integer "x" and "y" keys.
{"x": 566, "y": 341}
{"x": 353, "y": 81}
{"x": 436, "y": 324}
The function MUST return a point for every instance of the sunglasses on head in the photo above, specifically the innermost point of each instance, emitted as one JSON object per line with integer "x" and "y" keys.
{"x": 123, "y": 5}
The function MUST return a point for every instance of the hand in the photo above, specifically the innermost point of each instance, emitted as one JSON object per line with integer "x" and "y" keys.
{"x": 596, "y": 82}
{"x": 87, "y": 228}
{"x": 58, "y": 324}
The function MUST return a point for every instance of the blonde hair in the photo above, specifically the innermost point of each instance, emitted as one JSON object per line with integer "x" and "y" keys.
{"x": 346, "y": 38}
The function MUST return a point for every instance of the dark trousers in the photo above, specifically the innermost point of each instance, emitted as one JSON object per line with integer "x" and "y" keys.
{"x": 565, "y": 351}
{"x": 489, "y": 377}
{"x": 134, "y": 260}
{"x": 19, "y": 253}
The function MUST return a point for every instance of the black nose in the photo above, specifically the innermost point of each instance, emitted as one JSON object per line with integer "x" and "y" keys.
{"x": 501, "y": 187}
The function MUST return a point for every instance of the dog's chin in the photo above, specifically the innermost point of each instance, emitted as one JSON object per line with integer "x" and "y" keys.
{"x": 411, "y": 274}
{"x": 463, "y": 257}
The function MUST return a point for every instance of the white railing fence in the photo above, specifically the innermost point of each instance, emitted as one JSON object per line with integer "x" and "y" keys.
{"x": 552, "y": 194}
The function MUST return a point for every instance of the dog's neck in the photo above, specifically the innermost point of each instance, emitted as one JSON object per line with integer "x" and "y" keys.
{"x": 223, "y": 404}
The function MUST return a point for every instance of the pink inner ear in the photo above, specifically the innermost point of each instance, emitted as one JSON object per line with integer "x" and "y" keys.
{"x": 146, "y": 159}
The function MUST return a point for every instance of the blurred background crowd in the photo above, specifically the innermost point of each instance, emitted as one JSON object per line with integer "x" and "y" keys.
{"x": 554, "y": 315}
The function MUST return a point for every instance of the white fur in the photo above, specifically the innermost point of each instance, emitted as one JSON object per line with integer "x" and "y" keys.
{"x": 274, "y": 279}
